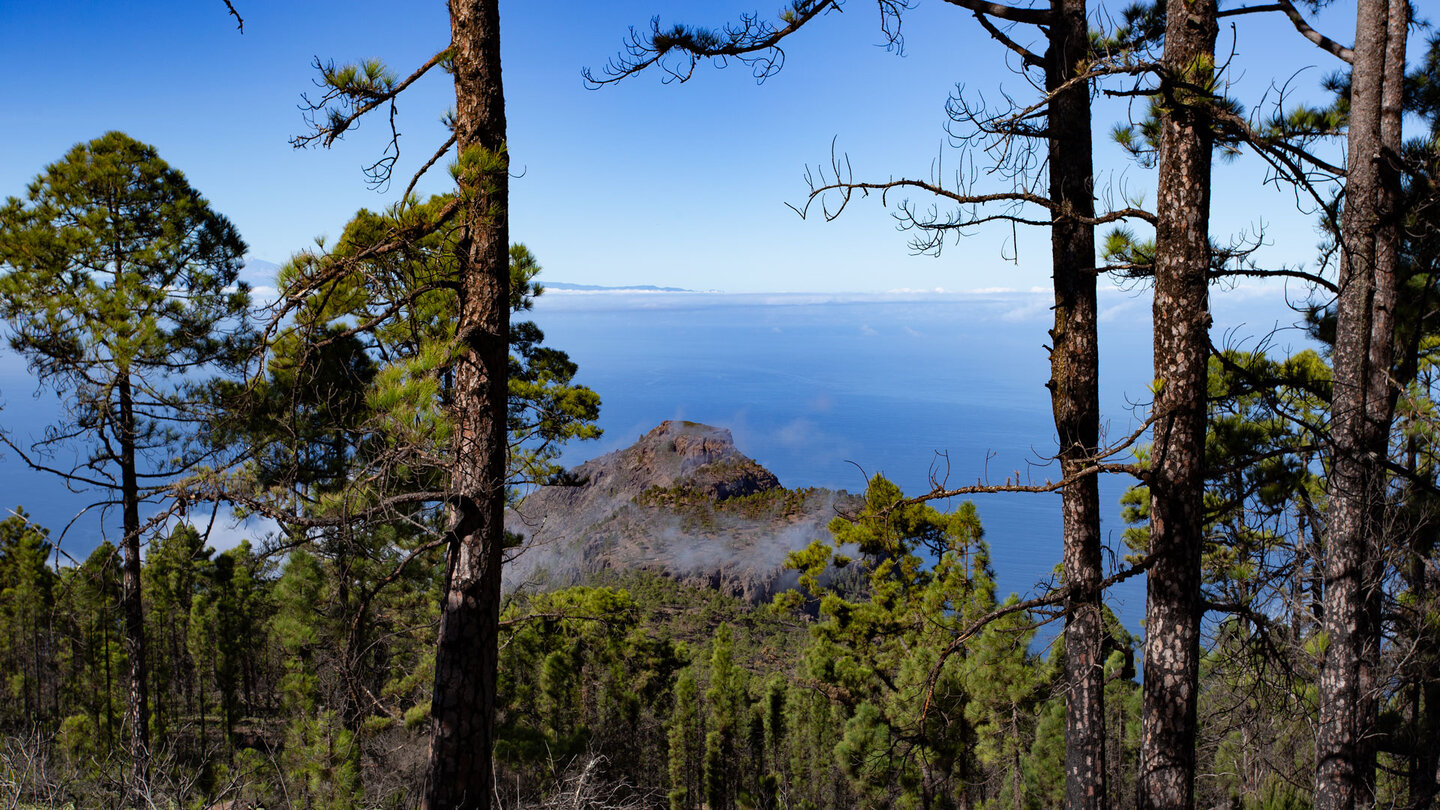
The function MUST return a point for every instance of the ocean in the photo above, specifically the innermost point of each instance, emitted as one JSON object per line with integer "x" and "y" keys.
{"x": 824, "y": 390}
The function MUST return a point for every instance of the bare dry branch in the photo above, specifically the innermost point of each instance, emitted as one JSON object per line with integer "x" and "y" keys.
{"x": 239, "y": 21}
{"x": 1031, "y": 16}
{"x": 1323, "y": 42}
{"x": 435, "y": 158}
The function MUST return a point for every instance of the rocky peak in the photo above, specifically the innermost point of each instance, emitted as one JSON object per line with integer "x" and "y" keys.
{"x": 682, "y": 501}
{"x": 678, "y": 456}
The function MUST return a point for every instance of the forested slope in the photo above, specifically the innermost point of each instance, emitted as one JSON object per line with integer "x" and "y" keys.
{"x": 892, "y": 674}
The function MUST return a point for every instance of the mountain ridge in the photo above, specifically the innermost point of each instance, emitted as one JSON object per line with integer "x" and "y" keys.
{"x": 683, "y": 502}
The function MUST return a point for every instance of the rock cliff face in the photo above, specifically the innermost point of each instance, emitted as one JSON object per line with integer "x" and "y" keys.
{"x": 683, "y": 502}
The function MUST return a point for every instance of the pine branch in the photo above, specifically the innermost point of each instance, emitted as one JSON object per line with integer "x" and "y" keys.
{"x": 752, "y": 41}
{"x": 1027, "y": 56}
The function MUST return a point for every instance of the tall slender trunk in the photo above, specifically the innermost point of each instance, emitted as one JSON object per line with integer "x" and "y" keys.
{"x": 1383, "y": 390}
{"x": 137, "y": 710}
{"x": 109, "y": 682}
{"x": 1297, "y": 618}
{"x": 32, "y": 707}
{"x": 204, "y": 729}
{"x": 1361, "y": 409}
{"x": 350, "y": 655}
{"x": 463, "y": 707}
{"x": 1424, "y": 779}
{"x": 1423, "y": 692}
{"x": 1075, "y": 400}
{"x": 1017, "y": 792}
{"x": 180, "y": 653}
{"x": 1182, "y": 321}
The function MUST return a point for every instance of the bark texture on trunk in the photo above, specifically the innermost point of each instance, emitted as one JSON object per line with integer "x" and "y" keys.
{"x": 137, "y": 710}
{"x": 1362, "y": 408}
{"x": 1182, "y": 321}
{"x": 463, "y": 706}
{"x": 1075, "y": 400}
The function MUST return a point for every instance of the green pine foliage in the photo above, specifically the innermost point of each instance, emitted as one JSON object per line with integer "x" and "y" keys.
{"x": 664, "y": 694}
{"x": 27, "y": 600}
{"x": 938, "y": 703}
{"x": 685, "y": 744}
{"x": 120, "y": 282}
{"x": 365, "y": 368}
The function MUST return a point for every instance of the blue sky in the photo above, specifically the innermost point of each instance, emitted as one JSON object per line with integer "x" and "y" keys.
{"x": 640, "y": 183}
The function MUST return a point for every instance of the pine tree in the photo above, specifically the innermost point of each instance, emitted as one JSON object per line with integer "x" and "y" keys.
{"x": 685, "y": 744}
{"x": 933, "y": 680}
{"x": 463, "y": 710}
{"x": 27, "y": 599}
{"x": 354, "y": 429}
{"x": 172, "y": 578}
{"x": 93, "y": 657}
{"x": 728, "y": 701}
{"x": 121, "y": 291}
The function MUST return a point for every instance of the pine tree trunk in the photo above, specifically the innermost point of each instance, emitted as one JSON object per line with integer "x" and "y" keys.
{"x": 1075, "y": 401}
{"x": 463, "y": 706}
{"x": 1380, "y": 380}
{"x": 137, "y": 709}
{"x": 109, "y": 685}
{"x": 1422, "y": 693}
{"x": 1182, "y": 320}
{"x": 1017, "y": 792}
{"x": 204, "y": 729}
{"x": 1425, "y": 779}
{"x": 1361, "y": 412}
{"x": 357, "y": 639}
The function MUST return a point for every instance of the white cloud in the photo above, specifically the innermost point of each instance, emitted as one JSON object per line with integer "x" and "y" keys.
{"x": 1130, "y": 306}
{"x": 227, "y": 532}
{"x": 797, "y": 433}
{"x": 1026, "y": 312}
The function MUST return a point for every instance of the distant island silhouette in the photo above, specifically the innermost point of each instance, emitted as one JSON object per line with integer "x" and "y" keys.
{"x": 562, "y": 285}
